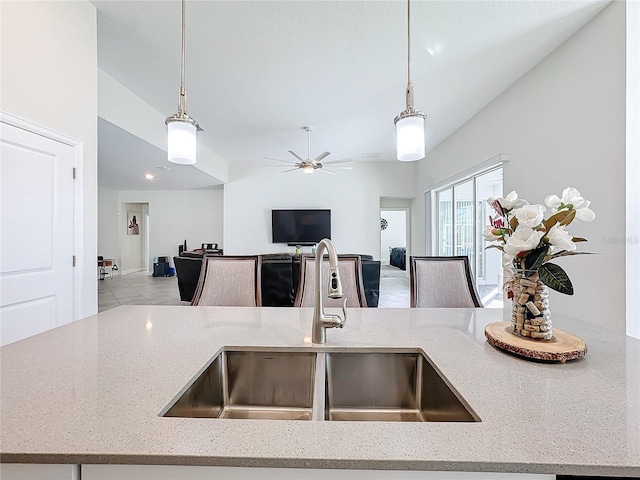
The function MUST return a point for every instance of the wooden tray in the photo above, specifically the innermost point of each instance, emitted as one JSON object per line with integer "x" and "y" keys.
{"x": 561, "y": 347}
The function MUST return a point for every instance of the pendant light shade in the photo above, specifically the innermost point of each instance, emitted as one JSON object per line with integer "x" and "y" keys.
{"x": 181, "y": 128}
{"x": 410, "y": 138}
{"x": 410, "y": 122}
{"x": 181, "y": 142}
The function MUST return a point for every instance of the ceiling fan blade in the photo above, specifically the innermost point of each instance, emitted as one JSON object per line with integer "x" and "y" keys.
{"x": 290, "y": 170}
{"x": 340, "y": 167}
{"x": 325, "y": 171}
{"x": 277, "y": 165}
{"x": 279, "y": 160}
{"x": 320, "y": 157}
{"x": 296, "y": 155}
{"x": 342, "y": 160}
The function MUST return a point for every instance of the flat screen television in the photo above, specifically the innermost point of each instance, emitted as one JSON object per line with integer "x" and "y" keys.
{"x": 300, "y": 227}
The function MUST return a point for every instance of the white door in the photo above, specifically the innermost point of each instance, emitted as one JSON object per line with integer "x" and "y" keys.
{"x": 36, "y": 234}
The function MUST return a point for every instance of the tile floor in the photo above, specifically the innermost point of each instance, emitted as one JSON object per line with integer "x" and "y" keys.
{"x": 137, "y": 289}
{"x": 142, "y": 289}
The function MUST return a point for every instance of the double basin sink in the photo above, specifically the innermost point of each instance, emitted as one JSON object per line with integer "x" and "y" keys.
{"x": 337, "y": 385}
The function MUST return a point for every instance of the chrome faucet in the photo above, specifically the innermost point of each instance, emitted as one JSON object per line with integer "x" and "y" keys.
{"x": 322, "y": 321}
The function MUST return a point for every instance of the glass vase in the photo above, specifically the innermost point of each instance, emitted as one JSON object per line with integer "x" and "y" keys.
{"x": 530, "y": 316}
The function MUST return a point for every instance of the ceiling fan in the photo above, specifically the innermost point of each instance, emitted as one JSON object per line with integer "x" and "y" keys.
{"x": 309, "y": 166}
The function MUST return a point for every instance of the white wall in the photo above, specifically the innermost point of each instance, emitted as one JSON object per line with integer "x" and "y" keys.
{"x": 174, "y": 215}
{"x": 352, "y": 195}
{"x": 49, "y": 77}
{"x": 632, "y": 240}
{"x": 108, "y": 224}
{"x": 563, "y": 124}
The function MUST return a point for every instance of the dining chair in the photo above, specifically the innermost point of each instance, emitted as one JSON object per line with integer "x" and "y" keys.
{"x": 231, "y": 281}
{"x": 350, "y": 267}
{"x": 442, "y": 282}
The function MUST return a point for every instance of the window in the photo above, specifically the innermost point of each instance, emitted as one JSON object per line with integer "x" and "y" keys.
{"x": 461, "y": 213}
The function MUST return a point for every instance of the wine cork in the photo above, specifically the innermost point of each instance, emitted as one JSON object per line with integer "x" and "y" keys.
{"x": 533, "y": 308}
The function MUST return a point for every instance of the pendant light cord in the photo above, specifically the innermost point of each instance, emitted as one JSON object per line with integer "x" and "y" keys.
{"x": 409, "y": 92}
{"x": 182, "y": 95}
{"x": 409, "y": 42}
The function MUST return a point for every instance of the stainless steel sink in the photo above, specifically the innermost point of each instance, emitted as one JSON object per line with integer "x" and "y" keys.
{"x": 329, "y": 385}
{"x": 272, "y": 385}
{"x": 390, "y": 387}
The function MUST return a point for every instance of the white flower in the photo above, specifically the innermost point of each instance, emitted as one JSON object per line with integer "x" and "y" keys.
{"x": 512, "y": 201}
{"x": 530, "y": 215}
{"x": 560, "y": 239}
{"x": 490, "y": 235}
{"x": 571, "y": 200}
{"x": 522, "y": 240}
{"x": 508, "y": 203}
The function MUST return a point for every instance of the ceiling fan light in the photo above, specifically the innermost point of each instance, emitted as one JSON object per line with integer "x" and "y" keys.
{"x": 410, "y": 138}
{"x": 308, "y": 169}
{"x": 181, "y": 142}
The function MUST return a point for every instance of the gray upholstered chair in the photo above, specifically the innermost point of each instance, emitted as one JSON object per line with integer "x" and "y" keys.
{"x": 350, "y": 275}
{"x": 231, "y": 281}
{"x": 442, "y": 282}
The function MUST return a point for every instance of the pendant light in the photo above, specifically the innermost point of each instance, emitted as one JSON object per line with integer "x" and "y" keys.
{"x": 181, "y": 128}
{"x": 410, "y": 122}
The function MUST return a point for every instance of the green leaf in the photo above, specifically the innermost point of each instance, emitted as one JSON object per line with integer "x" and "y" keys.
{"x": 555, "y": 278}
{"x": 566, "y": 254}
{"x": 535, "y": 258}
{"x": 578, "y": 239}
{"x": 499, "y": 247}
{"x": 513, "y": 223}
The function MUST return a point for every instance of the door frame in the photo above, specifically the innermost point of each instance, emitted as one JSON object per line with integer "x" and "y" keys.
{"x": 78, "y": 236}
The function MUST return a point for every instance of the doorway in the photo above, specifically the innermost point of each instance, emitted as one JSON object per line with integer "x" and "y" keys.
{"x": 393, "y": 232}
{"x": 135, "y": 238}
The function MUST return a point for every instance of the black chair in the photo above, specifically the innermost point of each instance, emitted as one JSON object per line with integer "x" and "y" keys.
{"x": 101, "y": 270}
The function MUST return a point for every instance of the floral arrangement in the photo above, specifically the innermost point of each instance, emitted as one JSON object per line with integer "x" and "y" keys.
{"x": 529, "y": 241}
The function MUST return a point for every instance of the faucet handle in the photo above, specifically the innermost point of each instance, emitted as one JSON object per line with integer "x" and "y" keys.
{"x": 344, "y": 312}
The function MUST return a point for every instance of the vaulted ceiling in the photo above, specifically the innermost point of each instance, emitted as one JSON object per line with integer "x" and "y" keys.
{"x": 258, "y": 71}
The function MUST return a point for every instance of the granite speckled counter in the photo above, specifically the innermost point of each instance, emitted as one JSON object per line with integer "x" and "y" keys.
{"x": 90, "y": 393}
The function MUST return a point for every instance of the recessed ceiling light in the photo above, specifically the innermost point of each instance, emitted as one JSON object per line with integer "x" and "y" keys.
{"x": 148, "y": 176}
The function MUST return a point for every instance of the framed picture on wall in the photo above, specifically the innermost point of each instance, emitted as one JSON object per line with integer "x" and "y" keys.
{"x": 133, "y": 228}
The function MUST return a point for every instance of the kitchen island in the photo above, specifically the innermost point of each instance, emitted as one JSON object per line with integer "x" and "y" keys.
{"x": 90, "y": 393}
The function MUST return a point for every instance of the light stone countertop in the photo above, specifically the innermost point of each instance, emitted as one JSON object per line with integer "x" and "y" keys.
{"x": 91, "y": 392}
